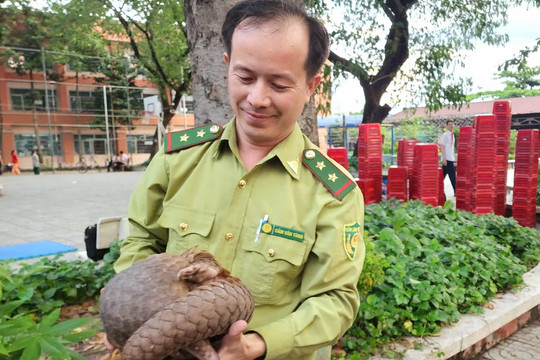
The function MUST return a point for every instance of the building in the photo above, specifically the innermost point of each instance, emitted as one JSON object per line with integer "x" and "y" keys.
{"x": 525, "y": 113}
{"x": 65, "y": 116}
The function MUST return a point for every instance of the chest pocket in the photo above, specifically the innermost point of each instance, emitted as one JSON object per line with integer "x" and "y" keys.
{"x": 278, "y": 263}
{"x": 187, "y": 227}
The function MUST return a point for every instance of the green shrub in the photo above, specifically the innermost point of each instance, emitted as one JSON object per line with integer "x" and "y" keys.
{"x": 30, "y": 301}
{"x": 29, "y": 325}
{"x": 438, "y": 263}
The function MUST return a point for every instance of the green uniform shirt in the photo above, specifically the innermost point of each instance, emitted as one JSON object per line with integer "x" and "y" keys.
{"x": 295, "y": 264}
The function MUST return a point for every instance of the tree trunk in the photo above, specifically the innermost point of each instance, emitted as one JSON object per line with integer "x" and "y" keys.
{"x": 308, "y": 121}
{"x": 208, "y": 70}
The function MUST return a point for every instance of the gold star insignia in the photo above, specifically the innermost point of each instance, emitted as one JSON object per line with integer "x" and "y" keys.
{"x": 332, "y": 177}
{"x": 184, "y": 137}
{"x": 320, "y": 165}
{"x": 201, "y": 133}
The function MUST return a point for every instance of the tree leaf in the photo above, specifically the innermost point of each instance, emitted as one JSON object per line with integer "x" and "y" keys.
{"x": 32, "y": 351}
{"x": 48, "y": 321}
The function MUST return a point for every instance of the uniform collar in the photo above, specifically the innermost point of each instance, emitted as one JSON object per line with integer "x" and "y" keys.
{"x": 288, "y": 152}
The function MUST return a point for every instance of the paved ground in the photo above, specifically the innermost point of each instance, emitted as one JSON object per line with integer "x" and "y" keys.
{"x": 59, "y": 206}
{"x": 523, "y": 345}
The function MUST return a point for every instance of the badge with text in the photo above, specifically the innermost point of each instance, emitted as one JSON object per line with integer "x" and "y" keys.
{"x": 350, "y": 239}
{"x": 282, "y": 231}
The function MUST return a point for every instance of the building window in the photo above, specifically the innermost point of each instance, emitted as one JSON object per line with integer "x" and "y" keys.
{"x": 86, "y": 102}
{"x": 140, "y": 144}
{"x": 26, "y": 143}
{"x": 93, "y": 144}
{"x": 22, "y": 99}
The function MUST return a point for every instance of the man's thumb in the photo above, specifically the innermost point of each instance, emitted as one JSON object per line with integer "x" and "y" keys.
{"x": 237, "y": 328}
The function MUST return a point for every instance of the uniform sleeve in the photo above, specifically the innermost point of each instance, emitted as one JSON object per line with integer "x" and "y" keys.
{"x": 146, "y": 237}
{"x": 329, "y": 287}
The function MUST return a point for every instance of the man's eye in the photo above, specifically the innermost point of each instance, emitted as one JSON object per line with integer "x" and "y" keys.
{"x": 244, "y": 79}
{"x": 279, "y": 87}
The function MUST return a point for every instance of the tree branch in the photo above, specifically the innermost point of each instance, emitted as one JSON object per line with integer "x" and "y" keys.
{"x": 351, "y": 67}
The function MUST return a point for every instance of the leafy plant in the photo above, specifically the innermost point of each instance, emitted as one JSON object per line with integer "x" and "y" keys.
{"x": 29, "y": 324}
{"x": 24, "y": 337}
{"x": 438, "y": 263}
{"x": 51, "y": 283}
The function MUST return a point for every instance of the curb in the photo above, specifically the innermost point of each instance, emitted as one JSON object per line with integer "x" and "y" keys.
{"x": 473, "y": 333}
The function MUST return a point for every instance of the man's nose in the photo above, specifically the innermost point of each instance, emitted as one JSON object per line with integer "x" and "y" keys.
{"x": 259, "y": 95}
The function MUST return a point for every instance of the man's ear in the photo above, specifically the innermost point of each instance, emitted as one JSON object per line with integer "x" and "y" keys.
{"x": 226, "y": 58}
{"x": 312, "y": 85}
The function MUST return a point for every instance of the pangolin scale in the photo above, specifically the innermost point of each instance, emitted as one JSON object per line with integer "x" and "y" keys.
{"x": 170, "y": 305}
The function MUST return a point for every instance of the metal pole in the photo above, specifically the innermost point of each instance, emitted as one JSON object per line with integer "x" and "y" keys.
{"x": 106, "y": 123}
{"x": 392, "y": 132}
{"x": 159, "y": 129}
{"x": 51, "y": 143}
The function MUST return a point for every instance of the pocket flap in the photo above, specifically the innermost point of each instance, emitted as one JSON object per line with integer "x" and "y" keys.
{"x": 274, "y": 248}
{"x": 186, "y": 221}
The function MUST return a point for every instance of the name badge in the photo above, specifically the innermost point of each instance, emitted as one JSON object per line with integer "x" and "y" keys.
{"x": 282, "y": 231}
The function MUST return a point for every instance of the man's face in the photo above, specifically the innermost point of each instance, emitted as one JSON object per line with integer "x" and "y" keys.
{"x": 268, "y": 85}
{"x": 450, "y": 126}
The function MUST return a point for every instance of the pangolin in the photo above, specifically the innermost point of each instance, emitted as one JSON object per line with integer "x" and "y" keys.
{"x": 172, "y": 305}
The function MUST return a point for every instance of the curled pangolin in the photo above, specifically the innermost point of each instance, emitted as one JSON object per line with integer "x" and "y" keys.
{"x": 172, "y": 305}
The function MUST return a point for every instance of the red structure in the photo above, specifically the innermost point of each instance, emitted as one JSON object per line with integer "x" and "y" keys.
{"x": 526, "y": 177}
{"x": 442, "y": 196}
{"x": 424, "y": 184}
{"x": 503, "y": 118}
{"x": 370, "y": 162}
{"x": 397, "y": 183}
{"x": 464, "y": 168}
{"x": 483, "y": 186}
{"x": 406, "y": 154}
{"x": 339, "y": 154}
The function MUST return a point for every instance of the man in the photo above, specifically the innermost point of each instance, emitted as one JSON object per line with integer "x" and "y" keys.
{"x": 124, "y": 160}
{"x": 35, "y": 162}
{"x": 446, "y": 146}
{"x": 259, "y": 195}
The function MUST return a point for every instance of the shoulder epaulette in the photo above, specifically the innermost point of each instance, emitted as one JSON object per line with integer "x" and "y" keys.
{"x": 335, "y": 180}
{"x": 183, "y": 139}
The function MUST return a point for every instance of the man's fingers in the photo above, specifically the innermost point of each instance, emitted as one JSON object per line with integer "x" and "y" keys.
{"x": 109, "y": 346}
{"x": 237, "y": 328}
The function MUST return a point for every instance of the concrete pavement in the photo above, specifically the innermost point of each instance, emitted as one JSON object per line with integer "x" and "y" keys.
{"x": 60, "y": 206}
{"x": 523, "y": 345}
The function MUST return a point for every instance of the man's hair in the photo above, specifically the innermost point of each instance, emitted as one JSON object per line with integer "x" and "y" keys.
{"x": 449, "y": 121}
{"x": 263, "y": 11}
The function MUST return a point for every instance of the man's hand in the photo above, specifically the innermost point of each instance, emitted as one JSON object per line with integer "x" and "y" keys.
{"x": 444, "y": 162}
{"x": 239, "y": 346}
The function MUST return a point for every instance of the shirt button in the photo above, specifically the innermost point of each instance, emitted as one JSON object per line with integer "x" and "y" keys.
{"x": 242, "y": 184}
{"x": 229, "y": 236}
{"x": 183, "y": 226}
{"x": 271, "y": 252}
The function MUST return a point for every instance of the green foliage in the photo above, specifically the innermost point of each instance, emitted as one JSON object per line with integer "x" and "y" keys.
{"x": 416, "y": 128}
{"x": 29, "y": 326}
{"x": 51, "y": 283}
{"x": 409, "y": 48}
{"x": 438, "y": 263}
{"x": 523, "y": 81}
{"x": 373, "y": 271}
